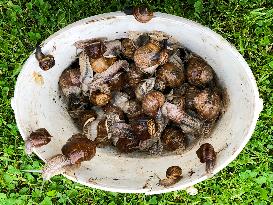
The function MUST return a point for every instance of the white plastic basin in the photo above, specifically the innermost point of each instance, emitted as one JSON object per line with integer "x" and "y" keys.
{"x": 37, "y": 104}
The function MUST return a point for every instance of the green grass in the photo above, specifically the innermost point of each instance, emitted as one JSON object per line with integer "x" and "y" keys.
{"x": 248, "y": 24}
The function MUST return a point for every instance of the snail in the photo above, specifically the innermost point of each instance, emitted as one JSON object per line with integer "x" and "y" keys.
{"x": 187, "y": 123}
{"x": 148, "y": 57}
{"x": 128, "y": 48}
{"x": 152, "y": 102}
{"x": 69, "y": 82}
{"x": 208, "y": 104}
{"x": 86, "y": 71}
{"x": 173, "y": 175}
{"x": 191, "y": 93}
{"x": 199, "y": 73}
{"x": 46, "y": 62}
{"x": 101, "y": 64}
{"x": 93, "y": 48}
{"x": 143, "y": 88}
{"x": 76, "y": 150}
{"x": 98, "y": 98}
{"x": 142, "y": 14}
{"x": 134, "y": 76}
{"x": 123, "y": 138}
{"x": 104, "y": 77}
{"x": 131, "y": 107}
{"x": 155, "y": 128}
{"x": 207, "y": 155}
{"x": 140, "y": 129}
{"x": 85, "y": 116}
{"x": 173, "y": 138}
{"x": 169, "y": 75}
{"x": 38, "y": 138}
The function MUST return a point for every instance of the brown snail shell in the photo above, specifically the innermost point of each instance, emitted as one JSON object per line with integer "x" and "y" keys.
{"x": 95, "y": 49}
{"x": 69, "y": 81}
{"x": 128, "y": 48}
{"x": 144, "y": 56}
{"x": 101, "y": 64}
{"x": 85, "y": 116}
{"x": 134, "y": 76}
{"x": 79, "y": 148}
{"x": 173, "y": 138}
{"x": 170, "y": 75}
{"x": 207, "y": 155}
{"x": 152, "y": 102}
{"x": 99, "y": 99}
{"x": 173, "y": 175}
{"x": 208, "y": 104}
{"x": 199, "y": 72}
{"x": 123, "y": 138}
{"x": 45, "y": 61}
{"x": 37, "y": 138}
{"x": 126, "y": 145}
{"x": 140, "y": 129}
{"x": 142, "y": 14}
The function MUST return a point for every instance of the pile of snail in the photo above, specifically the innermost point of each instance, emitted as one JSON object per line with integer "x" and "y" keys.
{"x": 143, "y": 93}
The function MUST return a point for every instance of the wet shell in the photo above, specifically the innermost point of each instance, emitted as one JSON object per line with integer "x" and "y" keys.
{"x": 152, "y": 102}
{"x": 199, "y": 72}
{"x": 37, "y": 138}
{"x": 69, "y": 82}
{"x": 140, "y": 129}
{"x": 142, "y": 14}
{"x": 117, "y": 82}
{"x": 101, "y": 64}
{"x": 79, "y": 148}
{"x": 191, "y": 93}
{"x": 207, "y": 155}
{"x": 102, "y": 139}
{"x": 144, "y": 56}
{"x": 86, "y": 116}
{"x": 208, "y": 104}
{"x": 173, "y": 138}
{"x": 174, "y": 172}
{"x": 128, "y": 48}
{"x": 171, "y": 75}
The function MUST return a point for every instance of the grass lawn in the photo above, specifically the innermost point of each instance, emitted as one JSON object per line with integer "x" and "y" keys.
{"x": 248, "y": 24}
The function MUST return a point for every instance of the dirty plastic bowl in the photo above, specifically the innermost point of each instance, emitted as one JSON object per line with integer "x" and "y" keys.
{"x": 38, "y": 105}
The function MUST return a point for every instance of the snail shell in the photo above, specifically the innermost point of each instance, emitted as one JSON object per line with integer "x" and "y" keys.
{"x": 69, "y": 81}
{"x": 170, "y": 75}
{"x": 37, "y": 138}
{"x": 128, "y": 48}
{"x": 173, "y": 138}
{"x": 208, "y": 104}
{"x": 173, "y": 174}
{"x": 207, "y": 155}
{"x": 199, "y": 73}
{"x": 142, "y": 14}
{"x": 79, "y": 148}
{"x": 101, "y": 64}
{"x": 152, "y": 102}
